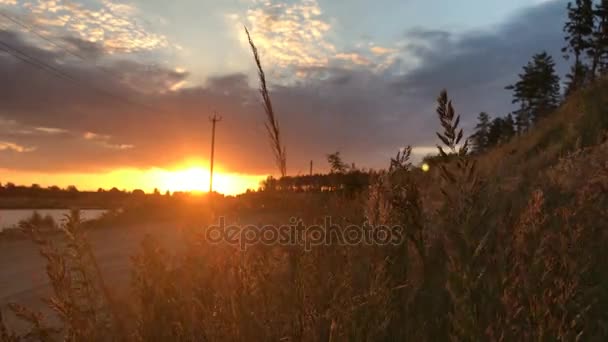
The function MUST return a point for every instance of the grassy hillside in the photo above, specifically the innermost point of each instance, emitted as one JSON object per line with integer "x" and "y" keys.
{"x": 579, "y": 123}
{"x": 562, "y": 156}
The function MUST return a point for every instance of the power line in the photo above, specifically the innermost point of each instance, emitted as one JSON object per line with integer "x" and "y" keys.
{"x": 45, "y": 66}
{"x": 32, "y": 29}
{"x": 37, "y": 33}
{"x": 25, "y": 58}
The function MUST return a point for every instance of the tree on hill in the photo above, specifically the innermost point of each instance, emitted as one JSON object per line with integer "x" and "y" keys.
{"x": 480, "y": 137}
{"x": 501, "y": 130}
{"x": 545, "y": 82}
{"x": 575, "y": 82}
{"x": 537, "y": 91}
{"x": 598, "y": 51}
{"x": 509, "y": 127}
{"x": 522, "y": 120}
{"x": 522, "y": 95}
{"x": 495, "y": 130}
{"x": 579, "y": 30}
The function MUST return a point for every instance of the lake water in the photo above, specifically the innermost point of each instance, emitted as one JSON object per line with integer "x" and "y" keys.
{"x": 10, "y": 218}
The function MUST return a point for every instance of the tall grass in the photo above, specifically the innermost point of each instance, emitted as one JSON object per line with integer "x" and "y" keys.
{"x": 272, "y": 123}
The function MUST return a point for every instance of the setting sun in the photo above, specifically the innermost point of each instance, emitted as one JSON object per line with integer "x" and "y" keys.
{"x": 196, "y": 179}
{"x": 192, "y": 179}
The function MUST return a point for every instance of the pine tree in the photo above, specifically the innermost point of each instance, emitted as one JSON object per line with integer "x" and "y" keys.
{"x": 537, "y": 92}
{"x": 545, "y": 86}
{"x": 521, "y": 95}
{"x": 575, "y": 82}
{"x": 599, "y": 45}
{"x": 480, "y": 137}
{"x": 494, "y": 134}
{"x": 500, "y": 131}
{"x": 522, "y": 120}
{"x": 508, "y": 130}
{"x": 579, "y": 31}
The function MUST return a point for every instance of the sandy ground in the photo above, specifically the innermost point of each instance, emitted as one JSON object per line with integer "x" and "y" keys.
{"x": 22, "y": 269}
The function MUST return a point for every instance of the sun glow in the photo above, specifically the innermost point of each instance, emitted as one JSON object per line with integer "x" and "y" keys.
{"x": 191, "y": 176}
{"x": 192, "y": 179}
{"x": 188, "y": 177}
{"x": 197, "y": 179}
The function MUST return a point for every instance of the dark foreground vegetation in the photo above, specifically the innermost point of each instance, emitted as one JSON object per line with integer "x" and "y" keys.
{"x": 505, "y": 244}
{"x": 509, "y": 245}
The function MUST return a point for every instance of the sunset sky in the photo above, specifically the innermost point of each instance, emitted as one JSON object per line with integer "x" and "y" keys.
{"x": 108, "y": 93}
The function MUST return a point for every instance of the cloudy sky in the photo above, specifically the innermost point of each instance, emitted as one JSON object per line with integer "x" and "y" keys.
{"x": 96, "y": 88}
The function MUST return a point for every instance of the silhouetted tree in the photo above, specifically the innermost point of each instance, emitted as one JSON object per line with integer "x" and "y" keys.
{"x": 138, "y": 193}
{"x": 545, "y": 82}
{"x": 492, "y": 133}
{"x": 537, "y": 92}
{"x": 521, "y": 95}
{"x": 336, "y": 164}
{"x": 508, "y": 130}
{"x": 269, "y": 184}
{"x": 599, "y": 44}
{"x": 480, "y": 137}
{"x": 498, "y": 133}
{"x": 579, "y": 31}
{"x": 574, "y": 81}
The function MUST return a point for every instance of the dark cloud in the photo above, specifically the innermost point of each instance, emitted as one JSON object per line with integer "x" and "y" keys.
{"x": 83, "y": 48}
{"x": 365, "y": 114}
{"x": 477, "y": 66}
{"x": 146, "y": 78}
{"x": 431, "y": 37}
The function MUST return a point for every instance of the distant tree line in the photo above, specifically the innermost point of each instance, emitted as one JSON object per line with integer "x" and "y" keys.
{"x": 36, "y": 196}
{"x": 538, "y": 89}
{"x": 341, "y": 177}
{"x": 351, "y": 180}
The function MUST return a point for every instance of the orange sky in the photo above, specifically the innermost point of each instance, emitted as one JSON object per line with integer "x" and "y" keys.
{"x": 188, "y": 176}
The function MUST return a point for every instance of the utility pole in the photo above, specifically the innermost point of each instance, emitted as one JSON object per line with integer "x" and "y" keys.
{"x": 214, "y": 119}
{"x": 311, "y": 167}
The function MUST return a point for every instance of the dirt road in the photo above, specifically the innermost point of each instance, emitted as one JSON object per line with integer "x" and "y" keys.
{"x": 22, "y": 269}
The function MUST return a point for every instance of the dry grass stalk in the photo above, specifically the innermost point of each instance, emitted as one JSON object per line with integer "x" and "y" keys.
{"x": 272, "y": 124}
